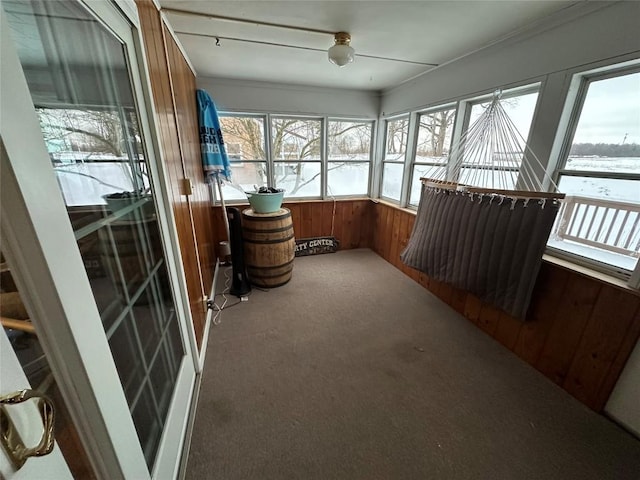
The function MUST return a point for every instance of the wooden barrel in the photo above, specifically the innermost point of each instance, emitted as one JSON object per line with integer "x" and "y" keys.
{"x": 269, "y": 247}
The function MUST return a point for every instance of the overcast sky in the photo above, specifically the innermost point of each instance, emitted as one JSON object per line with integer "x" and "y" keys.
{"x": 611, "y": 111}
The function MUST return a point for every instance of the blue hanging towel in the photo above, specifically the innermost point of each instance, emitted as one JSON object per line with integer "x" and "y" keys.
{"x": 215, "y": 161}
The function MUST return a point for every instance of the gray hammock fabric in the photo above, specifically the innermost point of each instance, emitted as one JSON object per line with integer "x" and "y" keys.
{"x": 487, "y": 244}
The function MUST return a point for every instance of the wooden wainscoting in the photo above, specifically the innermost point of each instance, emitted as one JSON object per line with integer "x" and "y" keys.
{"x": 579, "y": 333}
{"x": 173, "y": 88}
{"x": 351, "y": 221}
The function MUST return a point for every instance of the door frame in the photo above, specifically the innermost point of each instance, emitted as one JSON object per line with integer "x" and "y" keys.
{"x": 36, "y": 236}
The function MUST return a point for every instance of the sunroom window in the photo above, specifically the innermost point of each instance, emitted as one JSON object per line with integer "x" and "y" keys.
{"x": 296, "y": 145}
{"x": 309, "y": 157}
{"x": 245, "y": 141}
{"x": 435, "y": 129}
{"x": 519, "y": 104}
{"x": 349, "y": 157}
{"x": 599, "y": 221}
{"x": 397, "y": 133}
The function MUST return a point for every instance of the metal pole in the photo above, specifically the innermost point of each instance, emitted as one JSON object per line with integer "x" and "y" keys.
{"x": 224, "y": 207}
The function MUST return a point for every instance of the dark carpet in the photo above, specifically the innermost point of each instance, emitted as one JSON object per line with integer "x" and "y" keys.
{"x": 354, "y": 371}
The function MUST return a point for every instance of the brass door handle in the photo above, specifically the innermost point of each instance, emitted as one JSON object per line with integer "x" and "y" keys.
{"x": 9, "y": 435}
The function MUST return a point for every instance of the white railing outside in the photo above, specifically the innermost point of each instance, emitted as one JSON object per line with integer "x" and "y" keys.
{"x": 609, "y": 225}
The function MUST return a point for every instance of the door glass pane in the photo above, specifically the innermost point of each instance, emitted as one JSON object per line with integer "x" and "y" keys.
{"x": 78, "y": 75}
{"x": 23, "y": 337}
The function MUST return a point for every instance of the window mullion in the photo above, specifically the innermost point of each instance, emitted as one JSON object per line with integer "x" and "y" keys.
{"x": 409, "y": 156}
{"x": 324, "y": 154}
{"x": 269, "y": 149}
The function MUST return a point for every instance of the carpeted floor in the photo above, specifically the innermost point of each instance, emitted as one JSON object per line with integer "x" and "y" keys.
{"x": 353, "y": 371}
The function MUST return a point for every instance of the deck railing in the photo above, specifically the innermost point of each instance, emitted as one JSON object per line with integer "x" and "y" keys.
{"x": 605, "y": 224}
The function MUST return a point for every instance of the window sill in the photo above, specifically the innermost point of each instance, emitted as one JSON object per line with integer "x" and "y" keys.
{"x": 590, "y": 273}
{"x": 245, "y": 203}
{"x": 394, "y": 205}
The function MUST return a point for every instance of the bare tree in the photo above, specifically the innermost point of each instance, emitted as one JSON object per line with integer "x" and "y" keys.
{"x": 434, "y": 128}
{"x": 397, "y": 132}
{"x": 295, "y": 143}
{"x": 93, "y": 131}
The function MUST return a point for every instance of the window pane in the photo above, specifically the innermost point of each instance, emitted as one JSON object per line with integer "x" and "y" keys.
{"x": 599, "y": 220}
{"x": 428, "y": 171}
{"x": 392, "y": 180}
{"x": 604, "y": 188}
{"x": 349, "y": 140}
{"x": 488, "y": 178}
{"x": 300, "y": 179}
{"x": 296, "y": 139}
{"x": 246, "y": 175}
{"x": 600, "y": 217}
{"x": 506, "y": 151}
{"x": 520, "y": 110}
{"x": 434, "y": 136}
{"x": 94, "y": 151}
{"x": 396, "y": 140}
{"x": 607, "y": 137}
{"x": 244, "y": 138}
{"x": 348, "y": 178}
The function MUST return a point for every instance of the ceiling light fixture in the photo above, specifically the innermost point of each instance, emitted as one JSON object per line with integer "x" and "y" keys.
{"x": 341, "y": 53}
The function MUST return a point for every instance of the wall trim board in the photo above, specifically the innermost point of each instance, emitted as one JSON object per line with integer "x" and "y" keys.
{"x": 279, "y": 98}
{"x": 165, "y": 21}
{"x": 286, "y": 86}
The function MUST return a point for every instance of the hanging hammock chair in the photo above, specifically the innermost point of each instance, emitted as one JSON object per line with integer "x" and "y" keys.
{"x": 483, "y": 223}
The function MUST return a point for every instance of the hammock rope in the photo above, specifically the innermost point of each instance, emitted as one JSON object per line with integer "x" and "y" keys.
{"x": 493, "y": 154}
{"x": 461, "y": 236}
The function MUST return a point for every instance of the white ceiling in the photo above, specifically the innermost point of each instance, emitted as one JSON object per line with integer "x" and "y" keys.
{"x": 424, "y": 32}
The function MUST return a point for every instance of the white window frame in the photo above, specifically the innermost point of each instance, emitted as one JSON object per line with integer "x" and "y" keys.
{"x": 410, "y": 118}
{"x": 271, "y": 159}
{"x": 439, "y": 108}
{"x": 266, "y": 147}
{"x": 467, "y": 104}
{"x": 565, "y": 135}
{"x": 372, "y": 126}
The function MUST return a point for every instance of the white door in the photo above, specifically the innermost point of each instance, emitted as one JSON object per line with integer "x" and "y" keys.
{"x": 88, "y": 238}
{"x": 26, "y": 419}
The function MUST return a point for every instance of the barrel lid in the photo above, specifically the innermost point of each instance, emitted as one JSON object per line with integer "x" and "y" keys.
{"x": 282, "y": 212}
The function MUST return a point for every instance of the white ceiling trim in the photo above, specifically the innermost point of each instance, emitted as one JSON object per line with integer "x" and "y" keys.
{"x": 561, "y": 17}
{"x": 176, "y": 39}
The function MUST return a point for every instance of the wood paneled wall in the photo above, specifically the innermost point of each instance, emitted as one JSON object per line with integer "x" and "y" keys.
{"x": 579, "y": 332}
{"x": 183, "y": 84}
{"x": 173, "y": 88}
{"x": 351, "y": 220}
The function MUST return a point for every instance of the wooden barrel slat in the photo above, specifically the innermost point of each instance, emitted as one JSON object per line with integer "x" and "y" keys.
{"x": 269, "y": 247}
